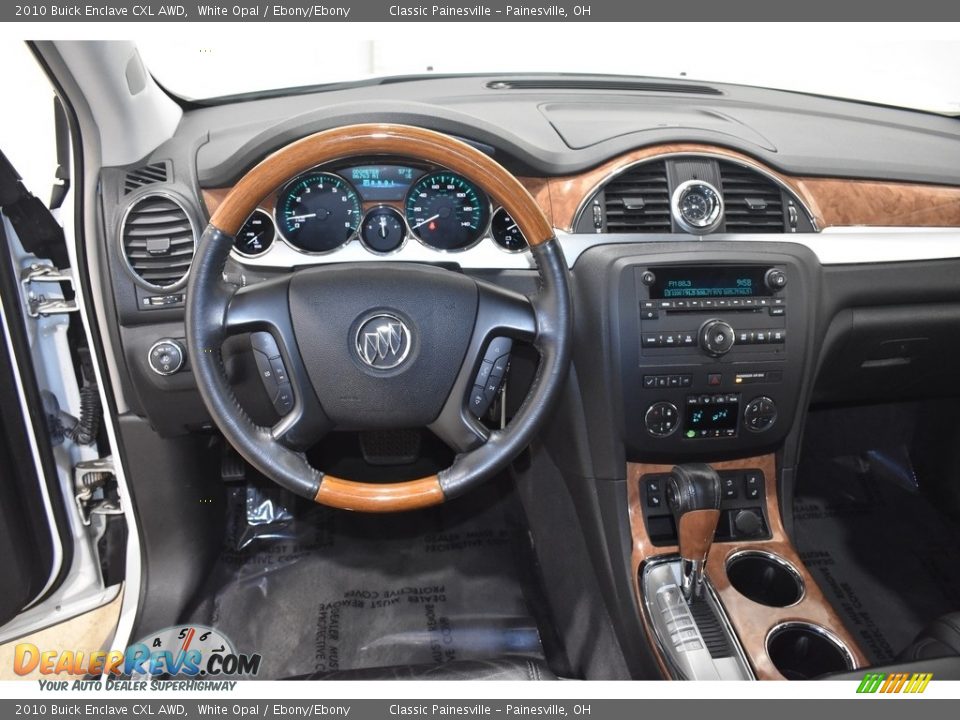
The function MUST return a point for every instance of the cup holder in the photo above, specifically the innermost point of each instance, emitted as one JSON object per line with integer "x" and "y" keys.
{"x": 765, "y": 578}
{"x": 801, "y": 651}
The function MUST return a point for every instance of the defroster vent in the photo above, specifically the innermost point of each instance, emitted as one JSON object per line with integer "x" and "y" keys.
{"x": 143, "y": 176}
{"x": 159, "y": 240}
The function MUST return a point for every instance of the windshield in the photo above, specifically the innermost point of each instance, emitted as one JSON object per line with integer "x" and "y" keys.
{"x": 881, "y": 64}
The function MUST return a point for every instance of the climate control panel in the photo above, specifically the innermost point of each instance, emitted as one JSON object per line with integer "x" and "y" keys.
{"x": 711, "y": 351}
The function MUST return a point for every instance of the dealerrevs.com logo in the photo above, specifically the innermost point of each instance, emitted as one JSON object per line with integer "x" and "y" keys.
{"x": 191, "y": 651}
{"x": 887, "y": 683}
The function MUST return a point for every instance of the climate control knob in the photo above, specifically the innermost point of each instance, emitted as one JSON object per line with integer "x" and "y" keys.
{"x": 760, "y": 414}
{"x": 662, "y": 419}
{"x": 716, "y": 337}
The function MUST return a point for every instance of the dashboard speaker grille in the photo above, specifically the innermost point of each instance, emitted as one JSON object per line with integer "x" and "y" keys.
{"x": 143, "y": 176}
{"x": 638, "y": 200}
{"x": 753, "y": 202}
{"x": 159, "y": 240}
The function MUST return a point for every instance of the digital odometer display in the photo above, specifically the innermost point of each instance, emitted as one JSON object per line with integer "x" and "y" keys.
{"x": 382, "y": 183}
{"x": 708, "y": 282}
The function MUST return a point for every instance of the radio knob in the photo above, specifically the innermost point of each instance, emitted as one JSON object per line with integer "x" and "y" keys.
{"x": 716, "y": 337}
{"x": 775, "y": 279}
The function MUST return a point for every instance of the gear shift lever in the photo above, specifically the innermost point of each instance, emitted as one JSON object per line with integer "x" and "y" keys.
{"x": 693, "y": 496}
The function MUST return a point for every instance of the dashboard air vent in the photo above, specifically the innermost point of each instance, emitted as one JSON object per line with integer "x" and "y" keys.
{"x": 159, "y": 240}
{"x": 602, "y": 84}
{"x": 753, "y": 202}
{"x": 638, "y": 200}
{"x": 143, "y": 176}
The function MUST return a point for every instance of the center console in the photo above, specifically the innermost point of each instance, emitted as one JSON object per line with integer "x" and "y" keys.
{"x": 712, "y": 347}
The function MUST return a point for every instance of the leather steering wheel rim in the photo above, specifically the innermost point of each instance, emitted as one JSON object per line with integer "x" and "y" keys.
{"x": 210, "y": 301}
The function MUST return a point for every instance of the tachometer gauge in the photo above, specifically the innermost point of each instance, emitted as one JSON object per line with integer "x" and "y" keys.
{"x": 446, "y": 211}
{"x": 383, "y": 229}
{"x": 318, "y": 212}
{"x": 256, "y": 235}
{"x": 506, "y": 232}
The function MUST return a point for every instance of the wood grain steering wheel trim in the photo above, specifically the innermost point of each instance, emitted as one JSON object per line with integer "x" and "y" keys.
{"x": 372, "y": 140}
{"x": 382, "y": 139}
{"x": 383, "y": 497}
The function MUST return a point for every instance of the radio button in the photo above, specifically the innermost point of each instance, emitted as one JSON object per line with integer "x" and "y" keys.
{"x": 778, "y": 311}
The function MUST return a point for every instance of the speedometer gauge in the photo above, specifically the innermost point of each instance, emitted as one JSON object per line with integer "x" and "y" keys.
{"x": 318, "y": 212}
{"x": 446, "y": 211}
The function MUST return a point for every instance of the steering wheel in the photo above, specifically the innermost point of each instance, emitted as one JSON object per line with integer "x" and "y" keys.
{"x": 437, "y": 324}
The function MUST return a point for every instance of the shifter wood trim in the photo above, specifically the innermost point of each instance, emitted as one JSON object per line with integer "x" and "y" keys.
{"x": 751, "y": 621}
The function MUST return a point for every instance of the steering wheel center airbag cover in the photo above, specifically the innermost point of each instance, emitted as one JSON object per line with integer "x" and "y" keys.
{"x": 331, "y": 310}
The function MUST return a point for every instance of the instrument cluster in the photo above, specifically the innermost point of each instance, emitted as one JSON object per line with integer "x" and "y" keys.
{"x": 383, "y": 205}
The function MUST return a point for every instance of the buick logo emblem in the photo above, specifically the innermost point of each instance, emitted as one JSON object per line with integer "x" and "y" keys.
{"x": 383, "y": 341}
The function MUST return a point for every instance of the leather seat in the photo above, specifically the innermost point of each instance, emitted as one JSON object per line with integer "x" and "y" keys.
{"x": 941, "y": 638}
{"x": 508, "y": 667}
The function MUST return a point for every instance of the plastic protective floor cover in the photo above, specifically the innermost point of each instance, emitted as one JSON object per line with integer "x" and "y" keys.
{"x": 315, "y": 590}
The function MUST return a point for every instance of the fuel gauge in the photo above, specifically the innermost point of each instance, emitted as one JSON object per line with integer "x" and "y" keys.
{"x": 506, "y": 233}
{"x": 383, "y": 229}
{"x": 256, "y": 235}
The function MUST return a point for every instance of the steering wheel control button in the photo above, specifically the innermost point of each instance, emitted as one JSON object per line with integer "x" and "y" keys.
{"x": 662, "y": 419}
{"x": 383, "y": 341}
{"x": 498, "y": 347}
{"x": 279, "y": 371}
{"x": 166, "y": 357}
{"x": 478, "y": 401}
{"x": 760, "y": 414}
{"x": 717, "y": 337}
{"x": 283, "y": 402}
{"x": 484, "y": 373}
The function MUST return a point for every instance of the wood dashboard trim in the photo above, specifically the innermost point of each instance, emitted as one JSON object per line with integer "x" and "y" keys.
{"x": 833, "y": 202}
{"x": 751, "y": 621}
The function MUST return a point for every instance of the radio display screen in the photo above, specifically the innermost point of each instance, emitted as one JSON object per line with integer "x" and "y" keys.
{"x": 714, "y": 420}
{"x": 683, "y": 283}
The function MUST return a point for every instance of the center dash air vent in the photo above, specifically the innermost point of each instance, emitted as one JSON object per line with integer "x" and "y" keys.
{"x": 753, "y": 202}
{"x": 638, "y": 200}
{"x": 603, "y": 84}
{"x": 143, "y": 176}
{"x": 158, "y": 240}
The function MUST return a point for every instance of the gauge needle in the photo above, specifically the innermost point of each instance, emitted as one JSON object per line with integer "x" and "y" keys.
{"x": 301, "y": 217}
{"x": 424, "y": 222}
{"x": 383, "y": 227}
{"x": 511, "y": 227}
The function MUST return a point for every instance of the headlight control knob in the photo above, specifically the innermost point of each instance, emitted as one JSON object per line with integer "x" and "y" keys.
{"x": 716, "y": 337}
{"x": 166, "y": 356}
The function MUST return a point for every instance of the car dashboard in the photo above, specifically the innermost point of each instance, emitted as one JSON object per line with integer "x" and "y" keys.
{"x": 736, "y": 256}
